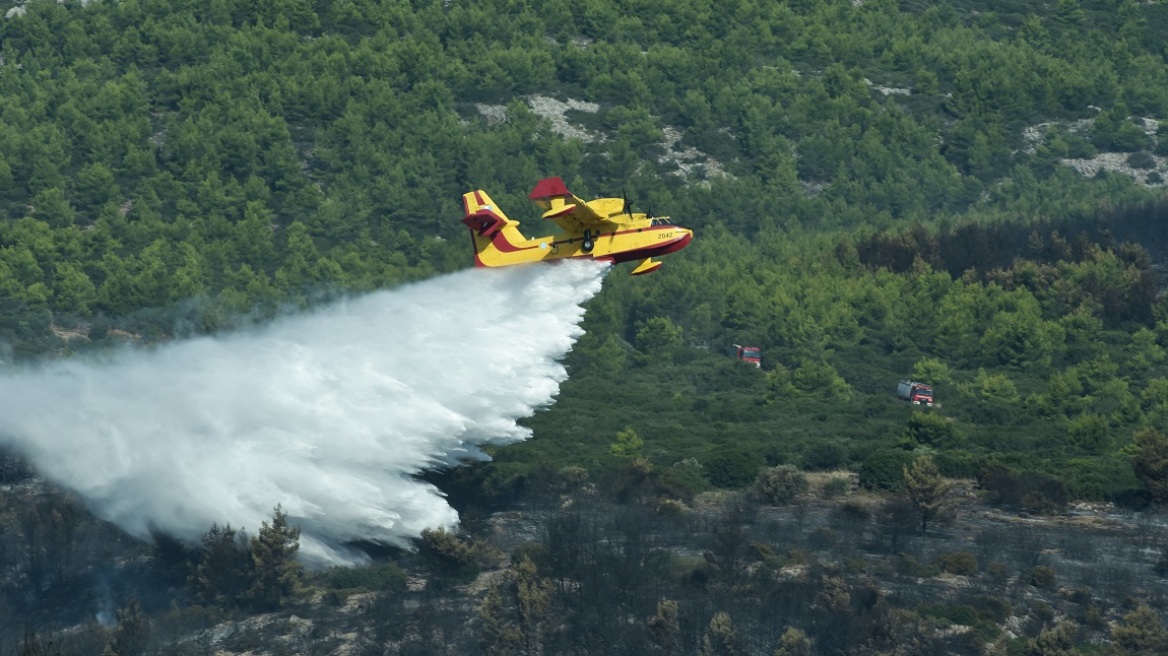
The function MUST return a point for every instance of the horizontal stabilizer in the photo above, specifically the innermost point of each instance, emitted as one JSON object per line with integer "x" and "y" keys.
{"x": 549, "y": 188}
{"x": 484, "y": 222}
{"x": 482, "y": 215}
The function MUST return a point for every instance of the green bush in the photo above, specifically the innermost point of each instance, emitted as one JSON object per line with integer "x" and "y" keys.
{"x": 884, "y": 469}
{"x": 372, "y": 578}
{"x": 536, "y": 552}
{"x": 998, "y": 572}
{"x": 571, "y": 478}
{"x": 1041, "y": 577}
{"x": 932, "y": 429}
{"x": 836, "y": 487}
{"x": 1101, "y": 477}
{"x": 1141, "y": 160}
{"x": 1033, "y": 491}
{"x": 450, "y": 555}
{"x": 1079, "y": 148}
{"x": 959, "y": 464}
{"x": 961, "y": 563}
{"x": 964, "y": 615}
{"x": 731, "y": 468}
{"x": 780, "y": 485}
{"x": 992, "y": 608}
{"x": 824, "y": 456}
{"x": 684, "y": 480}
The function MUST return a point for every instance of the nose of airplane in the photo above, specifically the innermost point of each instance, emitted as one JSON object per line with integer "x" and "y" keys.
{"x": 679, "y": 242}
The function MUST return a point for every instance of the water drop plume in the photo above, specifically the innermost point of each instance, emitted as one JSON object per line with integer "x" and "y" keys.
{"x": 330, "y": 413}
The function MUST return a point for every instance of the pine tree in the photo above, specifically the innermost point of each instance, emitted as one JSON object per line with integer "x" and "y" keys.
{"x": 927, "y": 490}
{"x": 1058, "y": 641}
{"x": 664, "y": 627}
{"x": 1140, "y": 634}
{"x": 794, "y": 643}
{"x": 132, "y": 634}
{"x": 514, "y": 615}
{"x": 627, "y": 444}
{"x": 273, "y": 553}
{"x": 533, "y": 601}
{"x": 498, "y": 633}
{"x": 224, "y": 572}
{"x": 720, "y": 639}
{"x": 1150, "y": 463}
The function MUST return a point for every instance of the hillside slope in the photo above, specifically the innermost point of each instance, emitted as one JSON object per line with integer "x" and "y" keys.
{"x": 971, "y": 193}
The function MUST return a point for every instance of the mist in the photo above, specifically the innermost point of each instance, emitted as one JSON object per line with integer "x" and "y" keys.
{"x": 330, "y": 413}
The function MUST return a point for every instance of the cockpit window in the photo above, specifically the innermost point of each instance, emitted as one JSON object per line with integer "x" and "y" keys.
{"x": 662, "y": 221}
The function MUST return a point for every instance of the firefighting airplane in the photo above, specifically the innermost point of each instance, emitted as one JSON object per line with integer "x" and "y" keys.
{"x": 602, "y": 229}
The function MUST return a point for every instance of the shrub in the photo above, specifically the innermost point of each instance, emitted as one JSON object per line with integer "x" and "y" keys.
{"x": 1141, "y": 160}
{"x": 671, "y": 508}
{"x": 764, "y": 554}
{"x": 932, "y": 429}
{"x": 572, "y": 477}
{"x": 1080, "y": 148}
{"x": 852, "y": 512}
{"x": 823, "y": 538}
{"x": 684, "y": 480}
{"x": 1040, "y": 611}
{"x": 906, "y": 565}
{"x": 1041, "y": 577}
{"x": 1033, "y": 491}
{"x": 959, "y": 464}
{"x": 780, "y": 485}
{"x": 730, "y": 468}
{"x": 824, "y": 456}
{"x": 536, "y": 552}
{"x": 1039, "y": 503}
{"x": 1094, "y": 619}
{"x": 884, "y": 469}
{"x": 448, "y": 554}
{"x": 836, "y": 487}
{"x": 960, "y": 614}
{"x": 372, "y": 578}
{"x": 961, "y": 563}
{"x": 992, "y": 608}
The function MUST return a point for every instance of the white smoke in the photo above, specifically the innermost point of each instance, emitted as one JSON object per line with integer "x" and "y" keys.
{"x": 330, "y": 413}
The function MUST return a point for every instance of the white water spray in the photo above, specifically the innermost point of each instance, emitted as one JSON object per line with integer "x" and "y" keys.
{"x": 330, "y": 413}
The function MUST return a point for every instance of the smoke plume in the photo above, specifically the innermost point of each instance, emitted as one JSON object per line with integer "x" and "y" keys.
{"x": 330, "y": 413}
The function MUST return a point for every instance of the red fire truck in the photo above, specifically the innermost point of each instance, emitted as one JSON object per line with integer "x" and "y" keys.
{"x": 750, "y": 354}
{"x": 914, "y": 392}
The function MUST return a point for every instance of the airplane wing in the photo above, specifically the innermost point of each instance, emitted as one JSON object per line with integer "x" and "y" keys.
{"x": 572, "y": 213}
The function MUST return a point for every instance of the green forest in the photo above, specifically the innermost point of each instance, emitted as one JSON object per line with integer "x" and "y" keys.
{"x": 174, "y": 168}
{"x": 970, "y": 193}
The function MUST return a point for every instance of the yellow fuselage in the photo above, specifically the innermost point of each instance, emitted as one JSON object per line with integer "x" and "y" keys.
{"x": 620, "y": 244}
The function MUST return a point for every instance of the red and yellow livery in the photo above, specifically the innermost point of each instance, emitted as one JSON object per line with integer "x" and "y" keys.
{"x": 602, "y": 229}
